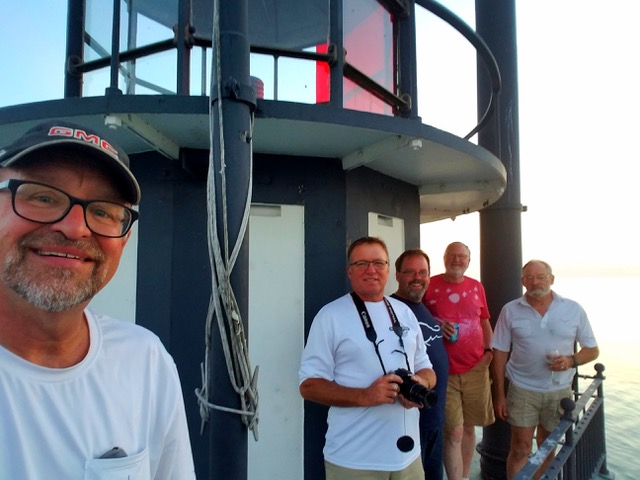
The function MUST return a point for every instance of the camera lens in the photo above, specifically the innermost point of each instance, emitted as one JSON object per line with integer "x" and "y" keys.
{"x": 418, "y": 393}
{"x": 414, "y": 391}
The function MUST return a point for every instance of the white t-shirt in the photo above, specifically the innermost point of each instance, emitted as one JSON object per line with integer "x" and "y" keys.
{"x": 56, "y": 423}
{"x": 527, "y": 334}
{"x": 338, "y": 350}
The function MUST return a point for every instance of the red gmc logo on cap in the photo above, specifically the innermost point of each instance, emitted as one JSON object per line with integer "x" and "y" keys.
{"x": 84, "y": 136}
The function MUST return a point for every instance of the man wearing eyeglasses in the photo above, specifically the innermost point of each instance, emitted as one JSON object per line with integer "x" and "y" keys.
{"x": 455, "y": 299}
{"x": 540, "y": 330}
{"x": 413, "y": 275}
{"x": 355, "y": 347}
{"x": 82, "y": 395}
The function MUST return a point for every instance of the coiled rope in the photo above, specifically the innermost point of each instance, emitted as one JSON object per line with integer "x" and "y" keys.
{"x": 222, "y": 304}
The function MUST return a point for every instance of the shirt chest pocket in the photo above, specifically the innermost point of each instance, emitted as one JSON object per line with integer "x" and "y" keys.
{"x": 134, "y": 467}
{"x": 521, "y": 328}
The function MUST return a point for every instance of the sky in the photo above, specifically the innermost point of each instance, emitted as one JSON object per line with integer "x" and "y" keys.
{"x": 579, "y": 73}
{"x": 578, "y": 69}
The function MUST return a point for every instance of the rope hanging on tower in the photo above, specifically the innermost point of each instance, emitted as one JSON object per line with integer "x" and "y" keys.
{"x": 223, "y": 307}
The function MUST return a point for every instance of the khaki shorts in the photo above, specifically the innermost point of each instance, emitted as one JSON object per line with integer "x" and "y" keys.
{"x": 529, "y": 409}
{"x": 413, "y": 472}
{"x": 469, "y": 399}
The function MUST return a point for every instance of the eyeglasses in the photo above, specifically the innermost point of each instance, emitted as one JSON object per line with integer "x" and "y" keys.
{"x": 362, "y": 265}
{"x": 540, "y": 277}
{"x": 412, "y": 273}
{"x": 41, "y": 203}
{"x": 459, "y": 256}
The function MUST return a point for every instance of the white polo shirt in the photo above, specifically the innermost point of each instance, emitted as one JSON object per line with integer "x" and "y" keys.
{"x": 527, "y": 334}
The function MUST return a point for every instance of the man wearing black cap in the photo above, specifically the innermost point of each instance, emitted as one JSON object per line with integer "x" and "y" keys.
{"x": 81, "y": 395}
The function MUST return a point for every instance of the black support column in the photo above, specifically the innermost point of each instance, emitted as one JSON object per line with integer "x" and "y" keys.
{"x": 500, "y": 224}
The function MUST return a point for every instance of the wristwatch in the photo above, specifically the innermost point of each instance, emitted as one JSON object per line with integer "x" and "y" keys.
{"x": 575, "y": 362}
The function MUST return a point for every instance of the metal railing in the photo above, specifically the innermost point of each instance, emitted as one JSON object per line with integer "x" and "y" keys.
{"x": 186, "y": 38}
{"x": 578, "y": 441}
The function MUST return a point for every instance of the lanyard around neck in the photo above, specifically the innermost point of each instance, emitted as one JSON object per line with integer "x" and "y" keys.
{"x": 370, "y": 331}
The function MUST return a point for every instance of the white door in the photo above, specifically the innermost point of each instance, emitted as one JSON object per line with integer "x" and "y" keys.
{"x": 276, "y": 338}
{"x": 118, "y": 298}
{"x": 391, "y": 230}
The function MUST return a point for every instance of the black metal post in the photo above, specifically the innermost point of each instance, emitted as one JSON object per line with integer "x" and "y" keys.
{"x": 500, "y": 224}
{"x": 407, "y": 53}
{"x": 183, "y": 47}
{"x": 569, "y": 406}
{"x": 75, "y": 40}
{"x": 336, "y": 42}
{"x": 132, "y": 39}
{"x": 228, "y": 435}
{"x": 604, "y": 470}
{"x": 114, "y": 67}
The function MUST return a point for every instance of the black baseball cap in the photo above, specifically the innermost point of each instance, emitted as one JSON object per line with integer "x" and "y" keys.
{"x": 59, "y": 133}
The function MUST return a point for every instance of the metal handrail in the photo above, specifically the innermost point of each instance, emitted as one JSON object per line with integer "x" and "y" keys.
{"x": 399, "y": 104}
{"x": 590, "y": 405}
{"x": 126, "y": 56}
{"x": 483, "y": 50}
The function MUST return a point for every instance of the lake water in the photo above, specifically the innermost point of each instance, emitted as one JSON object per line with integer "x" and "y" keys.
{"x": 612, "y": 306}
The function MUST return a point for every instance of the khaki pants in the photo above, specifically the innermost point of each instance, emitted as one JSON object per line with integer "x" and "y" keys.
{"x": 412, "y": 472}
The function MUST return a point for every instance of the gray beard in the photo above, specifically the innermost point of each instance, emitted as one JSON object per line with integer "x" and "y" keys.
{"x": 539, "y": 292}
{"x": 55, "y": 292}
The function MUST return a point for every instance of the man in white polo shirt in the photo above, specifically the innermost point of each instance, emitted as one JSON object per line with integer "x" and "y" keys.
{"x": 540, "y": 330}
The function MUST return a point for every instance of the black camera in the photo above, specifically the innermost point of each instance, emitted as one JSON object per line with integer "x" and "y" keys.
{"x": 414, "y": 391}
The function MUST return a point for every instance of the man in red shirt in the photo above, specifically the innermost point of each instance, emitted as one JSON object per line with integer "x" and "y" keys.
{"x": 454, "y": 299}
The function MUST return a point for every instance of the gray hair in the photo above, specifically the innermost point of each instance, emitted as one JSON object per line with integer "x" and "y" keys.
{"x": 546, "y": 265}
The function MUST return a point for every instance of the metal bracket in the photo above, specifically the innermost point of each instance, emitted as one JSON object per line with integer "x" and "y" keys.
{"x": 234, "y": 90}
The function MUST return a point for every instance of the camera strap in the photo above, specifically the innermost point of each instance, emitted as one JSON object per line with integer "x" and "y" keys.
{"x": 405, "y": 443}
{"x": 370, "y": 331}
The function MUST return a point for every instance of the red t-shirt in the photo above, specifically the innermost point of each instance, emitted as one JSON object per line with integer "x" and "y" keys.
{"x": 463, "y": 303}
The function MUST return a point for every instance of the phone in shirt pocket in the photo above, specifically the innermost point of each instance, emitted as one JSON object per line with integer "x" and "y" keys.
{"x": 131, "y": 467}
